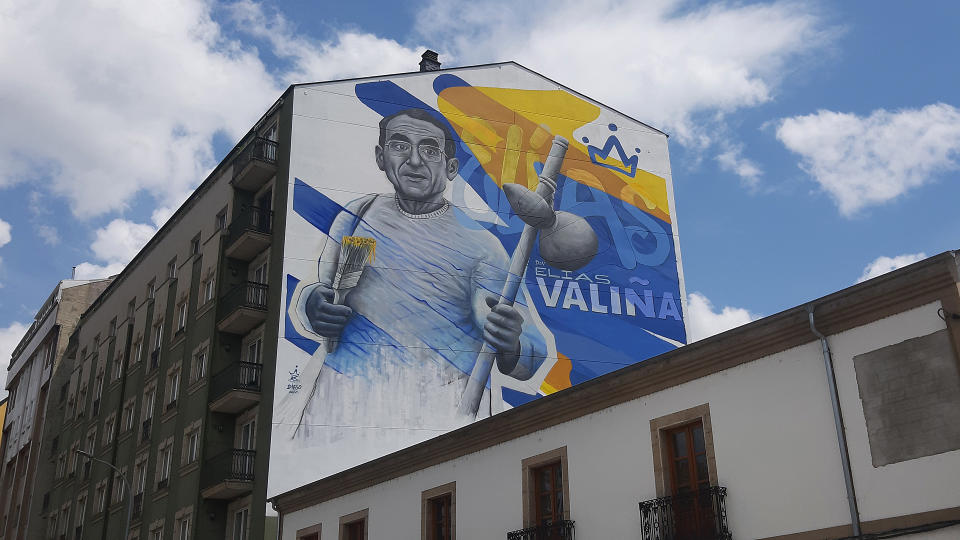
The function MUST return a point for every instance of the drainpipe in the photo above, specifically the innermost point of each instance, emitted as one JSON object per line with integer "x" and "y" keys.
{"x": 838, "y": 423}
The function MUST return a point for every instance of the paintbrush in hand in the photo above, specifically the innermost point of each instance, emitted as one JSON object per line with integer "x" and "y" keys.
{"x": 355, "y": 253}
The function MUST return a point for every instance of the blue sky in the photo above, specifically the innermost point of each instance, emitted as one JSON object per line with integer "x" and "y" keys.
{"x": 812, "y": 144}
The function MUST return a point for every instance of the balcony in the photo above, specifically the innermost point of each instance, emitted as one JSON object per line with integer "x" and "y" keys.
{"x": 552, "y": 531}
{"x": 255, "y": 165}
{"x": 236, "y": 388}
{"x": 695, "y": 515}
{"x": 243, "y": 308}
{"x": 249, "y": 233}
{"x": 229, "y": 475}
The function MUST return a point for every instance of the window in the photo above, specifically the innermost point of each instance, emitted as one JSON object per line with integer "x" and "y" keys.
{"x": 156, "y": 530}
{"x": 209, "y": 288}
{"x": 439, "y": 513}
{"x": 131, "y": 308}
{"x": 191, "y": 443}
{"x": 140, "y": 475}
{"x": 98, "y": 387}
{"x": 663, "y": 432}
{"x": 310, "y": 533}
{"x": 100, "y": 497}
{"x": 173, "y": 386}
{"x": 182, "y": 527}
{"x": 220, "y": 223}
{"x": 91, "y": 440}
{"x": 138, "y": 351}
{"x": 240, "y": 523}
{"x": 81, "y": 513}
{"x": 117, "y": 368}
{"x": 73, "y": 458}
{"x": 149, "y": 401}
{"x": 164, "y": 459}
{"x": 254, "y": 349}
{"x": 157, "y": 338}
{"x": 354, "y": 526}
{"x": 172, "y": 268}
{"x": 61, "y": 466}
{"x": 152, "y": 289}
{"x": 199, "y": 370}
{"x": 128, "y": 421}
{"x": 181, "y": 316}
{"x": 119, "y": 487}
{"x": 113, "y": 327}
{"x": 546, "y": 490}
{"x": 108, "y": 428}
{"x": 195, "y": 245}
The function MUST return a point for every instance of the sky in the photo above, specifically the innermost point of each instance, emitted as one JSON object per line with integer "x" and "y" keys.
{"x": 813, "y": 144}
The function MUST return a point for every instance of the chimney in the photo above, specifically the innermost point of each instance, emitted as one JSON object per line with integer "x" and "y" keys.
{"x": 429, "y": 61}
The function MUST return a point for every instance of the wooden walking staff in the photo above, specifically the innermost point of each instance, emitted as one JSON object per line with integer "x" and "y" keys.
{"x": 536, "y": 210}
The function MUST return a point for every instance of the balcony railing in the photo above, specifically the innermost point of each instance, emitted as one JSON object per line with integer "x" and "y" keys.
{"x": 256, "y": 164}
{"x": 229, "y": 474}
{"x": 249, "y": 233}
{"x": 695, "y": 515}
{"x": 552, "y": 531}
{"x": 236, "y": 388}
{"x": 243, "y": 308}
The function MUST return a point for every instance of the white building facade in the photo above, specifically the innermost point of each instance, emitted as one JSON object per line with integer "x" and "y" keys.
{"x": 762, "y": 399}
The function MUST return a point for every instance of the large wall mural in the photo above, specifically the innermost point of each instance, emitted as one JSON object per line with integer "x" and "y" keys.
{"x": 455, "y": 249}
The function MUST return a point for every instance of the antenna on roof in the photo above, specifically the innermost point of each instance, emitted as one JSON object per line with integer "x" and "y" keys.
{"x": 429, "y": 61}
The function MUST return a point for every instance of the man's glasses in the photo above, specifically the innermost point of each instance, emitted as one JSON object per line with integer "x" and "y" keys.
{"x": 428, "y": 152}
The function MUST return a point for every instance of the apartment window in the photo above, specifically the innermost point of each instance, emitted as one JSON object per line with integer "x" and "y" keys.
{"x": 191, "y": 443}
{"x": 209, "y": 287}
{"x": 173, "y": 386}
{"x": 61, "y": 466}
{"x": 138, "y": 351}
{"x": 545, "y": 488}
{"x": 64, "y": 520}
{"x": 199, "y": 365}
{"x": 220, "y": 223}
{"x": 131, "y": 308}
{"x": 310, "y": 533}
{"x": 100, "y": 497}
{"x": 119, "y": 487}
{"x": 81, "y": 514}
{"x": 112, "y": 332}
{"x": 152, "y": 289}
{"x": 182, "y": 316}
{"x": 149, "y": 401}
{"x": 91, "y": 440}
{"x": 128, "y": 421}
{"x": 156, "y": 531}
{"x": 685, "y": 432}
{"x": 164, "y": 460}
{"x": 241, "y": 519}
{"x": 157, "y": 337}
{"x": 72, "y": 458}
{"x": 254, "y": 350}
{"x": 98, "y": 386}
{"x": 182, "y": 527}
{"x": 439, "y": 513}
{"x": 108, "y": 428}
{"x": 117, "y": 368}
{"x": 172, "y": 268}
{"x": 195, "y": 245}
{"x": 140, "y": 475}
{"x": 354, "y": 526}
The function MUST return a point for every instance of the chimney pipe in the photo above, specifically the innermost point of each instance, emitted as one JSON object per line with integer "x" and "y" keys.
{"x": 429, "y": 61}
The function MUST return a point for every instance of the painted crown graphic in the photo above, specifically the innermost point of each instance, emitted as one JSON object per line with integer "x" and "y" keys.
{"x": 613, "y": 143}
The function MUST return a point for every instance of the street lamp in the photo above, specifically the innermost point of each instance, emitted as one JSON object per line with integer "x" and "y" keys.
{"x": 126, "y": 484}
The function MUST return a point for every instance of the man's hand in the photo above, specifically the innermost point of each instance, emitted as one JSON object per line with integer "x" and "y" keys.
{"x": 326, "y": 318}
{"x": 502, "y": 331}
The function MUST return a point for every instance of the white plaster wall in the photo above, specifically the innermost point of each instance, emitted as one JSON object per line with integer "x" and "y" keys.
{"x": 775, "y": 445}
{"x": 911, "y": 486}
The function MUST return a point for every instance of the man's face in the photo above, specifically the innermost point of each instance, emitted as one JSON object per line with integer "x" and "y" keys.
{"x": 413, "y": 159}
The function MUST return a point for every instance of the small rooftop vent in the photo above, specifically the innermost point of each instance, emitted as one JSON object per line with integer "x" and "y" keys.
{"x": 429, "y": 61}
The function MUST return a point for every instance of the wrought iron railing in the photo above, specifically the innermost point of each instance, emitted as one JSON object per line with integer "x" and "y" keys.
{"x": 245, "y": 295}
{"x": 259, "y": 149}
{"x": 234, "y": 465}
{"x": 695, "y": 515}
{"x": 556, "y": 530}
{"x": 237, "y": 376}
{"x": 250, "y": 218}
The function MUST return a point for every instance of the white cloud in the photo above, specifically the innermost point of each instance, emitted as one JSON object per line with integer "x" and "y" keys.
{"x": 112, "y": 98}
{"x": 348, "y": 54}
{"x": 48, "y": 234}
{"x": 865, "y": 161}
{"x": 731, "y": 160}
{"x": 10, "y": 337}
{"x": 704, "y": 320}
{"x": 114, "y": 246}
{"x": 5, "y": 235}
{"x": 662, "y": 61}
{"x": 882, "y": 265}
